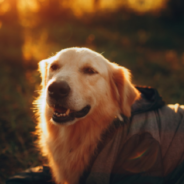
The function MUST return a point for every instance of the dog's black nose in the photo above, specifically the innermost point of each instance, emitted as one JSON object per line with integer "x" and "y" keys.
{"x": 59, "y": 89}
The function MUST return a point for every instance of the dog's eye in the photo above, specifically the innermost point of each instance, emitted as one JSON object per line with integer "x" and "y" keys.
{"x": 89, "y": 70}
{"x": 54, "y": 66}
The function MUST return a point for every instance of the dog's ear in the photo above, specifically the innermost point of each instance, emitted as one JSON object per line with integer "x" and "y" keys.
{"x": 43, "y": 67}
{"x": 124, "y": 91}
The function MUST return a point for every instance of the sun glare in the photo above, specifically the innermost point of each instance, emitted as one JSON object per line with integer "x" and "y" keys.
{"x": 5, "y": 7}
{"x": 31, "y": 47}
{"x": 81, "y": 6}
{"x": 146, "y": 5}
{"x": 138, "y": 155}
{"x": 28, "y": 5}
{"x": 137, "y": 5}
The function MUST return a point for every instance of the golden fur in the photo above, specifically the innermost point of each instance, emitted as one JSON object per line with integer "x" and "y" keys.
{"x": 70, "y": 146}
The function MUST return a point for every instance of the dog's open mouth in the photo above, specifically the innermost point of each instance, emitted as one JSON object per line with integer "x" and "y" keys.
{"x": 63, "y": 115}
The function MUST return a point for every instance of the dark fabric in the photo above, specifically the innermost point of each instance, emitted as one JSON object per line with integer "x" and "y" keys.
{"x": 140, "y": 161}
{"x": 36, "y": 175}
{"x": 177, "y": 176}
{"x": 150, "y": 101}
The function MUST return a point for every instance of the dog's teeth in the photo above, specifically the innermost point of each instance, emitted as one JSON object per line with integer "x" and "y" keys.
{"x": 62, "y": 114}
{"x": 67, "y": 112}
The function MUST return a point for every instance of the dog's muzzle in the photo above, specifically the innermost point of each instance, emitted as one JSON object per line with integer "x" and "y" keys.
{"x": 58, "y": 93}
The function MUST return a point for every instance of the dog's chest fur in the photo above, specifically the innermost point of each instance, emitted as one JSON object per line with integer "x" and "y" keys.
{"x": 72, "y": 150}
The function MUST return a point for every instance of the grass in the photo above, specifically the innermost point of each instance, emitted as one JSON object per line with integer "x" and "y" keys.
{"x": 150, "y": 47}
{"x": 16, "y": 122}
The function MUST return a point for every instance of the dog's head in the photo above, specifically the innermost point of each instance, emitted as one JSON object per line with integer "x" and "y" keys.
{"x": 78, "y": 82}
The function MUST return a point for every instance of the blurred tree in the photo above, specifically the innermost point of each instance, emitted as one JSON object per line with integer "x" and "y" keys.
{"x": 10, "y": 33}
{"x": 9, "y": 11}
{"x": 54, "y": 10}
{"x": 96, "y": 4}
{"x": 175, "y": 8}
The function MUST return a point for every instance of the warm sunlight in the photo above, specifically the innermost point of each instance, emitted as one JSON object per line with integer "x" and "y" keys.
{"x": 80, "y": 6}
{"x": 4, "y": 7}
{"x": 28, "y": 5}
{"x": 27, "y": 8}
{"x": 31, "y": 48}
{"x": 146, "y": 5}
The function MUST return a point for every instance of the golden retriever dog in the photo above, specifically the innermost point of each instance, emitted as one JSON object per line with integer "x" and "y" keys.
{"x": 82, "y": 94}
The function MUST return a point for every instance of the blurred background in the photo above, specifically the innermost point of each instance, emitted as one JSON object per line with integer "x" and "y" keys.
{"x": 145, "y": 36}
